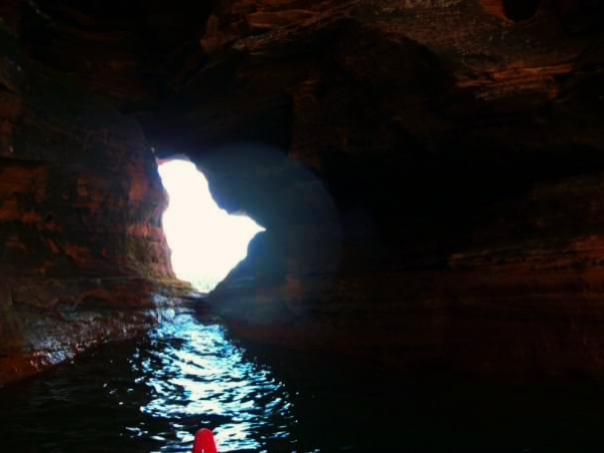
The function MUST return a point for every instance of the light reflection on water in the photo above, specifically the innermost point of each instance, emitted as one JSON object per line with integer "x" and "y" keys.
{"x": 194, "y": 371}
{"x": 153, "y": 393}
{"x": 150, "y": 395}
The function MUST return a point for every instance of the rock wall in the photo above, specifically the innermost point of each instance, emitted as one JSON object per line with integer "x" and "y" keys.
{"x": 83, "y": 257}
{"x": 523, "y": 300}
{"x": 460, "y": 146}
{"x": 429, "y": 172}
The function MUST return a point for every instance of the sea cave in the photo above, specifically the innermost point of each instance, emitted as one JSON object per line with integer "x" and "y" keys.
{"x": 420, "y": 189}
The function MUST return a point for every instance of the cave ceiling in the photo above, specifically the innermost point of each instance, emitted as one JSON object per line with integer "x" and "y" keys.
{"x": 451, "y": 99}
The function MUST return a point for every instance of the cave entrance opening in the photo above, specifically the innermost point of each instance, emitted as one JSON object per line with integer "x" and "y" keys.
{"x": 205, "y": 241}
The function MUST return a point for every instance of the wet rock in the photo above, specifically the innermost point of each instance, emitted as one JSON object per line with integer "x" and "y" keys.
{"x": 82, "y": 253}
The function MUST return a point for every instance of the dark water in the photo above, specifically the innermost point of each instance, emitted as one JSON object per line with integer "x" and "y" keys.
{"x": 151, "y": 394}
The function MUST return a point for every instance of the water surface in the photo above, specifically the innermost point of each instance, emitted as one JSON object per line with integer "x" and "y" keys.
{"x": 152, "y": 394}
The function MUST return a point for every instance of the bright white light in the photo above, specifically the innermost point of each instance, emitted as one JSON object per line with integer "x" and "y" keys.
{"x": 206, "y": 242}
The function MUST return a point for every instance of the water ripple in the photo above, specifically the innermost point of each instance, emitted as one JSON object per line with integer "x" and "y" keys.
{"x": 153, "y": 393}
{"x": 193, "y": 372}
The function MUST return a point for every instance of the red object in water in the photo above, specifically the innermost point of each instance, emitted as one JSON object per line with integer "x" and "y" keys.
{"x": 204, "y": 442}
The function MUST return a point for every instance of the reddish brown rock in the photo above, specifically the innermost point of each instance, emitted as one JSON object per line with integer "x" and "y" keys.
{"x": 428, "y": 171}
{"x": 462, "y": 151}
{"x": 82, "y": 253}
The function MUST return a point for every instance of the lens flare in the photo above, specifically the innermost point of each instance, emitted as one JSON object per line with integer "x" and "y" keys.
{"x": 206, "y": 242}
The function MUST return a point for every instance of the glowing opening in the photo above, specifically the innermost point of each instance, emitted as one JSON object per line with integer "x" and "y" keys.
{"x": 206, "y": 242}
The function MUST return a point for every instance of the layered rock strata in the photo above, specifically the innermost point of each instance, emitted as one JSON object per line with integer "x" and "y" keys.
{"x": 83, "y": 257}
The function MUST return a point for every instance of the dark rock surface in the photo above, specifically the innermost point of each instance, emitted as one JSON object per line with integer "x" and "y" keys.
{"x": 83, "y": 256}
{"x": 429, "y": 172}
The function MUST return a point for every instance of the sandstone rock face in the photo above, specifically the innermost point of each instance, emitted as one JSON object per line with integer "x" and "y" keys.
{"x": 462, "y": 151}
{"x": 82, "y": 251}
{"x": 429, "y": 172}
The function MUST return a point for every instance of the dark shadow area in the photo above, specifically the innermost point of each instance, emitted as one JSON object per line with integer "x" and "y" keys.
{"x": 519, "y": 10}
